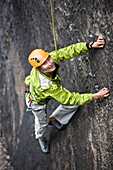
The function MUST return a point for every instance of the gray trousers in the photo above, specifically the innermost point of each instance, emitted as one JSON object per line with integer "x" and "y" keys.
{"x": 62, "y": 114}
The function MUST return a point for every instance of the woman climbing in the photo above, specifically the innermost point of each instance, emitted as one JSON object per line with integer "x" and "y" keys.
{"x": 44, "y": 84}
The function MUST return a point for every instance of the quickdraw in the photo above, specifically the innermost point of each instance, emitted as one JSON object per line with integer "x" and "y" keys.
{"x": 30, "y": 101}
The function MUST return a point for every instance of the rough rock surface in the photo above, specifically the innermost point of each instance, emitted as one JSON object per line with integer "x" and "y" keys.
{"x": 86, "y": 144}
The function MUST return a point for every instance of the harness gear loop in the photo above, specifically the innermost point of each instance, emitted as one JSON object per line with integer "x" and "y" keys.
{"x": 53, "y": 27}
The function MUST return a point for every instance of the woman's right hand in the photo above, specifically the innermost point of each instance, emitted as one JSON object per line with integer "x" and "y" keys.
{"x": 102, "y": 93}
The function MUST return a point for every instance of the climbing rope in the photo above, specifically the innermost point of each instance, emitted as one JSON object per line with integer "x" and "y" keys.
{"x": 54, "y": 32}
{"x": 53, "y": 27}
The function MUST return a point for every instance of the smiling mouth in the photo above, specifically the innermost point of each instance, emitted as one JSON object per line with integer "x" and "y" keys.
{"x": 51, "y": 67}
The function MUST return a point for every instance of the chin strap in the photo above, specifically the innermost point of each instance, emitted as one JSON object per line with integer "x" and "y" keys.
{"x": 45, "y": 71}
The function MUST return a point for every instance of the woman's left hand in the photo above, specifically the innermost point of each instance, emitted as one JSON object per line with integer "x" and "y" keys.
{"x": 99, "y": 43}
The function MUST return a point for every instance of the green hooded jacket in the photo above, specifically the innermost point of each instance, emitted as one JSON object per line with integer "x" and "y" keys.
{"x": 54, "y": 89}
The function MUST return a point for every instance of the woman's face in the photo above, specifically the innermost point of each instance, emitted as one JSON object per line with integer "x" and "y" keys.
{"x": 49, "y": 65}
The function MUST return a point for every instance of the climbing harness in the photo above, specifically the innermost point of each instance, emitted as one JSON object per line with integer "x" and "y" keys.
{"x": 31, "y": 98}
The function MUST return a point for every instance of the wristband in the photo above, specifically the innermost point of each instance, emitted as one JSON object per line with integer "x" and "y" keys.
{"x": 89, "y": 44}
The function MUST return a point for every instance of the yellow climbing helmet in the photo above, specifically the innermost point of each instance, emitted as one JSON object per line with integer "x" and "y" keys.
{"x": 37, "y": 57}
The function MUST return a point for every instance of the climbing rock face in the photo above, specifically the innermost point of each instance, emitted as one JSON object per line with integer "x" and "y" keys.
{"x": 86, "y": 143}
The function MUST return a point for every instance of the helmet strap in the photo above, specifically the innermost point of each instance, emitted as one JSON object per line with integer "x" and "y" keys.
{"x": 44, "y": 70}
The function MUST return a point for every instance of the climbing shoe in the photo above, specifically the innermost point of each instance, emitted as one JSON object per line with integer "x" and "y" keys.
{"x": 44, "y": 146}
{"x": 58, "y": 125}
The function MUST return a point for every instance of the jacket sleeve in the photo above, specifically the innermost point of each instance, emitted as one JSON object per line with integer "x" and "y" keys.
{"x": 69, "y": 52}
{"x": 65, "y": 97}
{"x": 27, "y": 80}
